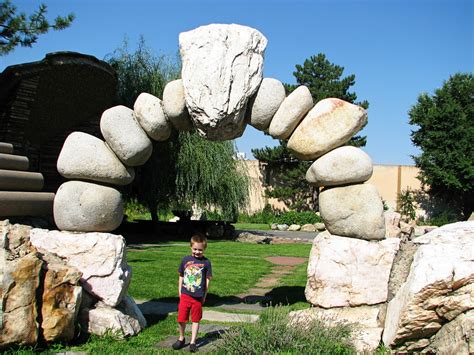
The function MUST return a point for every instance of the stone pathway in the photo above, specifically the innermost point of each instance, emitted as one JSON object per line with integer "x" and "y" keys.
{"x": 254, "y": 300}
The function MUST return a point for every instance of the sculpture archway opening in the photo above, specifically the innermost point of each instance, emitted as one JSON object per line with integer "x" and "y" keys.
{"x": 222, "y": 89}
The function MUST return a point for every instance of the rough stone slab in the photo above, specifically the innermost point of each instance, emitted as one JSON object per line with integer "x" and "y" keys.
{"x": 265, "y": 103}
{"x": 104, "y": 319}
{"x": 60, "y": 300}
{"x": 222, "y": 69}
{"x": 149, "y": 114}
{"x": 130, "y": 308}
{"x": 86, "y": 207}
{"x": 6, "y": 148}
{"x": 392, "y": 224}
{"x": 99, "y": 256}
{"x": 349, "y": 272}
{"x": 13, "y": 203}
{"x": 125, "y": 136}
{"x": 174, "y": 106}
{"x": 367, "y": 329}
{"x": 86, "y": 157}
{"x": 12, "y": 180}
{"x": 438, "y": 288}
{"x": 456, "y": 337}
{"x": 290, "y": 113}
{"x": 21, "y": 279}
{"x": 341, "y": 166}
{"x": 330, "y": 124}
{"x": 13, "y": 162}
{"x": 354, "y": 211}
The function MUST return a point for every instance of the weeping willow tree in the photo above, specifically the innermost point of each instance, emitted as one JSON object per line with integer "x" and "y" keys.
{"x": 186, "y": 170}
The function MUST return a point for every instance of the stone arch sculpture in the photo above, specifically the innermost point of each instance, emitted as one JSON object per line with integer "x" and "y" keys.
{"x": 221, "y": 91}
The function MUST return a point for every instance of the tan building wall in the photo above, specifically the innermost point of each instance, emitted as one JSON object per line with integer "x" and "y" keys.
{"x": 389, "y": 180}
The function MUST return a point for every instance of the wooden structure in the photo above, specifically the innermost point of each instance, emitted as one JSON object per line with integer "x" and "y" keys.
{"x": 42, "y": 102}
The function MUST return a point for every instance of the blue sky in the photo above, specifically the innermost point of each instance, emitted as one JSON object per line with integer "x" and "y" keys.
{"x": 396, "y": 49}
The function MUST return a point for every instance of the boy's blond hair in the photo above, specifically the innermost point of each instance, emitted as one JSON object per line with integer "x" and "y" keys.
{"x": 198, "y": 238}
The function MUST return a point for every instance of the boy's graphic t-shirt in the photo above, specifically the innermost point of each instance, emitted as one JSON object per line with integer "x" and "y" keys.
{"x": 195, "y": 272}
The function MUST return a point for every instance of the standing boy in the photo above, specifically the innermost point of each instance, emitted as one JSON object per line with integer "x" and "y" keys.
{"x": 195, "y": 273}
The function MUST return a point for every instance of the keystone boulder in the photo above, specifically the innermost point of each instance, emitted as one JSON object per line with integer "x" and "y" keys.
{"x": 222, "y": 70}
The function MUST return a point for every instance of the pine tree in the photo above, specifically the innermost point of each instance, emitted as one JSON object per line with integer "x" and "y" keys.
{"x": 18, "y": 30}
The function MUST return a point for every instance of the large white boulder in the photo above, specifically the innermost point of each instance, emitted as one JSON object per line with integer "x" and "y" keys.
{"x": 174, "y": 106}
{"x": 364, "y": 322}
{"x": 86, "y": 207}
{"x": 222, "y": 69}
{"x": 354, "y": 211}
{"x": 125, "y": 136}
{"x": 290, "y": 113}
{"x": 99, "y": 256}
{"x": 439, "y": 287}
{"x": 344, "y": 165}
{"x": 349, "y": 272}
{"x": 330, "y": 124}
{"x": 149, "y": 114}
{"x": 86, "y": 157}
{"x": 265, "y": 103}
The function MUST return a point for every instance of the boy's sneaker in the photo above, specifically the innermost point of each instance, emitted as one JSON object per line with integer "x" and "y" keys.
{"x": 178, "y": 344}
{"x": 193, "y": 348}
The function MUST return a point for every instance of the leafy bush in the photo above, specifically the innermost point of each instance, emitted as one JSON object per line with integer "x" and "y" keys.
{"x": 135, "y": 210}
{"x": 264, "y": 216}
{"x": 269, "y": 215}
{"x": 273, "y": 334}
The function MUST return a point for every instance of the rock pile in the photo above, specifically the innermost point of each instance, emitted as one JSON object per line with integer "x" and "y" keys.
{"x": 416, "y": 295}
{"x": 53, "y": 281}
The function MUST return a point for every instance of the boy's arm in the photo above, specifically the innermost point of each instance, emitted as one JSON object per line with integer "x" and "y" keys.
{"x": 180, "y": 284}
{"x": 208, "y": 281}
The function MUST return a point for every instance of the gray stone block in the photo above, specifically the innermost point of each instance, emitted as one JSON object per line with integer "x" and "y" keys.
{"x": 11, "y": 180}
{"x": 14, "y": 203}
{"x": 6, "y": 148}
{"x": 13, "y": 162}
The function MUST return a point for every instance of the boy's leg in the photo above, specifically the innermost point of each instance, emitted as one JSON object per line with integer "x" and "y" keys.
{"x": 182, "y": 329}
{"x": 194, "y": 332}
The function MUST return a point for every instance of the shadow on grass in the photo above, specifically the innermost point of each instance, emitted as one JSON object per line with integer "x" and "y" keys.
{"x": 286, "y": 295}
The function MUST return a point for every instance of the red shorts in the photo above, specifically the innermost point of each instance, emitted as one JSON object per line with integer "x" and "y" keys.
{"x": 188, "y": 304}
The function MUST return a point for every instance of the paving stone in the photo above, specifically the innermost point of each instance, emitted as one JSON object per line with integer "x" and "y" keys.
{"x": 254, "y": 307}
{"x": 214, "y": 316}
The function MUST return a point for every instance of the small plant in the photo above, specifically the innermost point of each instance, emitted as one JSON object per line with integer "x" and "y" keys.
{"x": 135, "y": 210}
{"x": 406, "y": 202}
{"x": 273, "y": 334}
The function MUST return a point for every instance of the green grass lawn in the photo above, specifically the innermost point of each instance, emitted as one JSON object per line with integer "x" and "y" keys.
{"x": 236, "y": 268}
